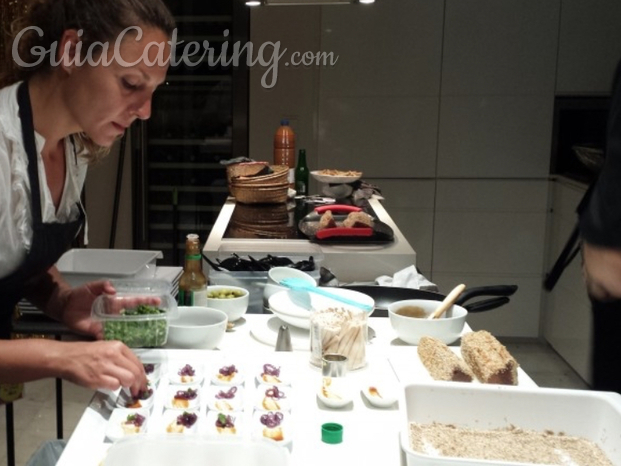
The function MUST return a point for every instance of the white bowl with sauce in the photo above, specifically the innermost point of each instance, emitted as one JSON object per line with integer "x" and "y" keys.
{"x": 410, "y": 328}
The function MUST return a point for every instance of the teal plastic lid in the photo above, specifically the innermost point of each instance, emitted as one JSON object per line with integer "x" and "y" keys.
{"x": 332, "y": 432}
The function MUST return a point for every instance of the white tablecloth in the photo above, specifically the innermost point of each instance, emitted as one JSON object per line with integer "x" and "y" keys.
{"x": 371, "y": 435}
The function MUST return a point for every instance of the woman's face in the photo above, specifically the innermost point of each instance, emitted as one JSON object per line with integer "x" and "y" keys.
{"x": 105, "y": 100}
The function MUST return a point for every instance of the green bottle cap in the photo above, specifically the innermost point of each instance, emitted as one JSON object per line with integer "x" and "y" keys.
{"x": 332, "y": 433}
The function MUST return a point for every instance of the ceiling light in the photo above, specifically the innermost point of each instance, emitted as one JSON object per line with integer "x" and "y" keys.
{"x": 253, "y": 2}
{"x": 366, "y": 1}
{"x": 308, "y": 2}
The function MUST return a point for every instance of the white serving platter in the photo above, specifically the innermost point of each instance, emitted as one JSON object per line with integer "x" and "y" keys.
{"x": 334, "y": 179}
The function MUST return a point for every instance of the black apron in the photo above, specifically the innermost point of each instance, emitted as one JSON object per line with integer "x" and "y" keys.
{"x": 49, "y": 240}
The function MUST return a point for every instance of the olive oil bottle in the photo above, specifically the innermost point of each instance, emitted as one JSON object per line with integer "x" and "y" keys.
{"x": 193, "y": 282}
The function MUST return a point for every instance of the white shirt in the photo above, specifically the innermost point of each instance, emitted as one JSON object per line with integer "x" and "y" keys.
{"x": 15, "y": 206}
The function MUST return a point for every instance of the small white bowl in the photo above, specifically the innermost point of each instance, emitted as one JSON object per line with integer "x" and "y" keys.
{"x": 172, "y": 403}
{"x": 269, "y": 379}
{"x": 127, "y": 401}
{"x": 264, "y": 402}
{"x": 259, "y": 430}
{"x": 277, "y": 274}
{"x": 447, "y": 328}
{"x": 153, "y": 372}
{"x": 236, "y": 403}
{"x": 334, "y": 392}
{"x": 168, "y": 422}
{"x": 236, "y": 378}
{"x": 197, "y": 328}
{"x": 234, "y": 308}
{"x": 379, "y": 395}
{"x": 176, "y": 378}
{"x": 115, "y": 429}
{"x": 212, "y": 430}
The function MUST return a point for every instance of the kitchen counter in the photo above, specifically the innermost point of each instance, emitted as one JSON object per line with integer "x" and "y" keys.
{"x": 349, "y": 262}
{"x": 371, "y": 435}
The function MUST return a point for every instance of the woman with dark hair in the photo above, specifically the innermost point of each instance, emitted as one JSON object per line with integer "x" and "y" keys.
{"x": 81, "y": 71}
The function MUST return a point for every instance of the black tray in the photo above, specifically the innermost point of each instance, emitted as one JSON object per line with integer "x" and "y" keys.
{"x": 309, "y": 225}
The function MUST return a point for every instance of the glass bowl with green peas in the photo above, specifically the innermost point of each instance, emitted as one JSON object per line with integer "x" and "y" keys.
{"x": 137, "y": 314}
{"x": 233, "y": 300}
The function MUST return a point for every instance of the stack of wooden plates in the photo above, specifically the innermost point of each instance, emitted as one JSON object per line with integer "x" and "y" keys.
{"x": 261, "y": 222}
{"x": 255, "y": 189}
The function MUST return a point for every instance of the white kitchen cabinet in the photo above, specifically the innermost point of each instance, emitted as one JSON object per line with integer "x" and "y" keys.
{"x": 497, "y": 91}
{"x": 390, "y": 48}
{"x": 567, "y": 321}
{"x": 385, "y": 137}
{"x": 294, "y": 94}
{"x": 499, "y": 47}
{"x": 495, "y": 136}
{"x": 411, "y": 206}
{"x": 378, "y": 106}
{"x": 489, "y": 232}
{"x": 589, "y": 46}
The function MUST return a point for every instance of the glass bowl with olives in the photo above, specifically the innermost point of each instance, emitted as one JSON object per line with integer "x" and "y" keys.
{"x": 233, "y": 300}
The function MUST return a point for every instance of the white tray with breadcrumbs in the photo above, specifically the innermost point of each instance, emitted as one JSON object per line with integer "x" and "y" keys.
{"x": 454, "y": 423}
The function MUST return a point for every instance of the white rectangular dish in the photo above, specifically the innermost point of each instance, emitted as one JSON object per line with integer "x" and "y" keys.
{"x": 194, "y": 451}
{"x": 79, "y": 266}
{"x": 594, "y": 416}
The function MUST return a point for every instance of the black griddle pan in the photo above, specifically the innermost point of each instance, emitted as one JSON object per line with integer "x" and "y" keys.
{"x": 379, "y": 233}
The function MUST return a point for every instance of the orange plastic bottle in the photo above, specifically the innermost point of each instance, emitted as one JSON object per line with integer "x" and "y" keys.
{"x": 284, "y": 148}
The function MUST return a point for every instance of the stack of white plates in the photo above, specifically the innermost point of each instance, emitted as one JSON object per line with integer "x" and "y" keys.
{"x": 172, "y": 275}
{"x": 294, "y": 307}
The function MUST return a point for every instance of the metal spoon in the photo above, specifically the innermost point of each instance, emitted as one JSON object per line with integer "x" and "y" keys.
{"x": 447, "y": 302}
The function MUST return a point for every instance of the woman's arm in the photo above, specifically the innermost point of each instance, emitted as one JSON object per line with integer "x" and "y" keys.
{"x": 71, "y": 306}
{"x": 100, "y": 364}
{"x": 49, "y": 292}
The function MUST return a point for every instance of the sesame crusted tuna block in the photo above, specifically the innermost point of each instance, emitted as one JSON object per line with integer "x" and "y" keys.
{"x": 489, "y": 359}
{"x": 441, "y": 362}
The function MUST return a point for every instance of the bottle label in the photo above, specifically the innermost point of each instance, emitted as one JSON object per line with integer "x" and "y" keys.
{"x": 300, "y": 188}
{"x": 192, "y": 297}
{"x": 183, "y": 297}
{"x": 200, "y": 298}
{"x": 291, "y": 176}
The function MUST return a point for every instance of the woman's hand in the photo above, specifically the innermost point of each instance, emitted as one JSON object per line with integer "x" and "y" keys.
{"x": 601, "y": 268}
{"x": 102, "y": 364}
{"x": 76, "y": 313}
{"x": 78, "y": 301}
{"x": 92, "y": 364}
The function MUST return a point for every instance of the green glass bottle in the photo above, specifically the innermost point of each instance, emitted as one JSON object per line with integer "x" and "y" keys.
{"x": 301, "y": 175}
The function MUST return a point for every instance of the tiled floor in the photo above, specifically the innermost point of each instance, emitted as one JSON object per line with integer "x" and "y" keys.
{"x": 36, "y": 414}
